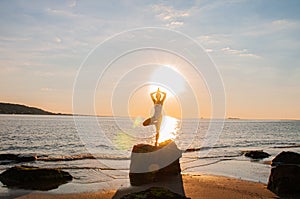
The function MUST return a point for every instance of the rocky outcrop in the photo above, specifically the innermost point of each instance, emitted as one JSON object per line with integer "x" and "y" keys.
{"x": 153, "y": 164}
{"x": 17, "y": 157}
{"x": 7, "y": 108}
{"x": 285, "y": 174}
{"x": 256, "y": 154}
{"x": 154, "y": 192}
{"x": 285, "y": 180}
{"x": 286, "y": 157}
{"x": 34, "y": 178}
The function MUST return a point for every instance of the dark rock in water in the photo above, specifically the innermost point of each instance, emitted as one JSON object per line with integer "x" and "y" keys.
{"x": 286, "y": 158}
{"x": 193, "y": 149}
{"x": 256, "y": 154}
{"x": 26, "y": 158}
{"x": 152, "y": 164}
{"x": 8, "y": 156}
{"x": 34, "y": 178}
{"x": 154, "y": 192}
{"x": 18, "y": 157}
{"x": 285, "y": 175}
{"x": 285, "y": 180}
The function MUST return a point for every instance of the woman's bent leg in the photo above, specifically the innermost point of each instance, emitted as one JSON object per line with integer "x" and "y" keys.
{"x": 147, "y": 122}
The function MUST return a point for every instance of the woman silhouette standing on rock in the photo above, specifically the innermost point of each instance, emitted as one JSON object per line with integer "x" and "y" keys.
{"x": 156, "y": 119}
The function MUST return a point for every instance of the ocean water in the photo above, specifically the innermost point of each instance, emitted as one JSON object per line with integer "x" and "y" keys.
{"x": 96, "y": 150}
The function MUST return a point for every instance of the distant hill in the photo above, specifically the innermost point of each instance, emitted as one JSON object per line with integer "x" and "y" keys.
{"x": 7, "y": 108}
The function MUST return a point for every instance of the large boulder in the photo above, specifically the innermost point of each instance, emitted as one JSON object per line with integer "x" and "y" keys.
{"x": 285, "y": 180}
{"x": 256, "y": 154}
{"x": 285, "y": 174}
{"x": 153, "y": 164}
{"x": 154, "y": 192}
{"x": 34, "y": 178}
{"x": 286, "y": 157}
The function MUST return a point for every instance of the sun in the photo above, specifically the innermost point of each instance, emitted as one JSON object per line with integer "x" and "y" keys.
{"x": 167, "y": 77}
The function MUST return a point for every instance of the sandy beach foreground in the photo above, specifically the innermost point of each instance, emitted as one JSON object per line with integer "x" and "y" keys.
{"x": 196, "y": 186}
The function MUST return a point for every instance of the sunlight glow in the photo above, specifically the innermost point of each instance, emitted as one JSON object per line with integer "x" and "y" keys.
{"x": 169, "y": 79}
{"x": 137, "y": 122}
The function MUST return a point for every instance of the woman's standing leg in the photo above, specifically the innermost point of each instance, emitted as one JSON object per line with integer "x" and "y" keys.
{"x": 157, "y": 125}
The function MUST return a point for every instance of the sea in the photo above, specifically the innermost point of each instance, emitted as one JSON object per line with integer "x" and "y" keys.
{"x": 96, "y": 150}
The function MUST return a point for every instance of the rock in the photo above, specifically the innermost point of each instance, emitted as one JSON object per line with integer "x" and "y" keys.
{"x": 286, "y": 158}
{"x": 256, "y": 154}
{"x": 285, "y": 174}
{"x": 18, "y": 157}
{"x": 8, "y": 156}
{"x": 34, "y": 178}
{"x": 154, "y": 192}
{"x": 26, "y": 158}
{"x": 153, "y": 164}
{"x": 285, "y": 180}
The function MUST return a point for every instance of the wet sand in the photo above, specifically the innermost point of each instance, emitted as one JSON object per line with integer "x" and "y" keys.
{"x": 197, "y": 186}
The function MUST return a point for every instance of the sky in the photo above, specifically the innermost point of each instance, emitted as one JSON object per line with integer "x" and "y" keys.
{"x": 254, "y": 44}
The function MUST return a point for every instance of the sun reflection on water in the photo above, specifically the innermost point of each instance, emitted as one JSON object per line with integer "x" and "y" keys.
{"x": 169, "y": 129}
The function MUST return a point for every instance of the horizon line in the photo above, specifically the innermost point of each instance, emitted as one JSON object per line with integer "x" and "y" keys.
{"x": 105, "y": 115}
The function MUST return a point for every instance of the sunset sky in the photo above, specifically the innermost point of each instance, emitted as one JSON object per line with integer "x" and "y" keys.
{"x": 254, "y": 44}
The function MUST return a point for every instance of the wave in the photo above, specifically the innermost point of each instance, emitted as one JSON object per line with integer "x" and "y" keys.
{"x": 220, "y": 147}
{"x": 205, "y": 148}
{"x": 287, "y": 146}
{"x": 240, "y": 145}
{"x": 81, "y": 157}
{"x": 95, "y": 168}
{"x": 222, "y": 156}
{"x": 216, "y": 156}
{"x": 16, "y": 158}
{"x": 65, "y": 158}
{"x": 247, "y": 145}
{"x": 206, "y": 164}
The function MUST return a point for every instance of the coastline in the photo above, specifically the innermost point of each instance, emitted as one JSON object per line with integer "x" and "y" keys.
{"x": 195, "y": 186}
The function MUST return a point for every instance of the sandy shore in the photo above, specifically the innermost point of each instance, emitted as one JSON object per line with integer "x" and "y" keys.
{"x": 200, "y": 186}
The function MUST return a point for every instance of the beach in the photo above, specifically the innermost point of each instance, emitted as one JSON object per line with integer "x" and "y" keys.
{"x": 196, "y": 186}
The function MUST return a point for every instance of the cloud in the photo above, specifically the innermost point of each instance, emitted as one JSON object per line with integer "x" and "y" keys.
{"x": 47, "y": 89}
{"x": 241, "y": 53}
{"x": 208, "y": 50}
{"x": 57, "y": 40}
{"x": 14, "y": 39}
{"x": 171, "y": 16}
{"x": 64, "y": 13}
{"x": 72, "y": 4}
{"x": 175, "y": 23}
{"x": 214, "y": 38}
{"x": 280, "y": 22}
{"x": 271, "y": 27}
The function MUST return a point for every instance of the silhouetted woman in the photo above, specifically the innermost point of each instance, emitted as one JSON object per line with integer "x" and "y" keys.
{"x": 156, "y": 119}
